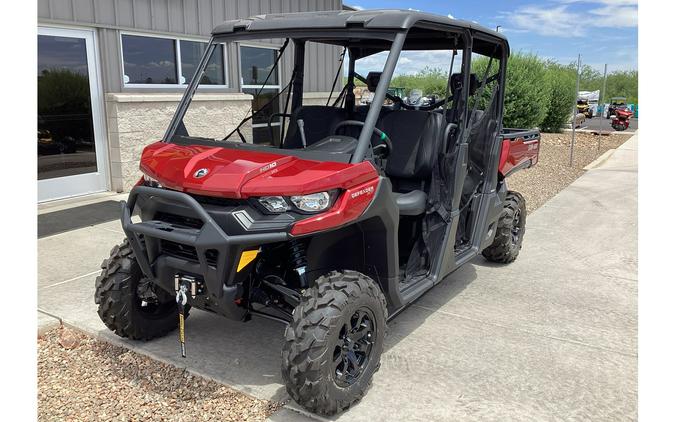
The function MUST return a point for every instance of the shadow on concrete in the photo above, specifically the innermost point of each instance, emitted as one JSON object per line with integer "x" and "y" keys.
{"x": 78, "y": 217}
{"x": 246, "y": 356}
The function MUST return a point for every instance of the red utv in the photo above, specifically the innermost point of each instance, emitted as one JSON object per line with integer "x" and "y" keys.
{"x": 621, "y": 119}
{"x": 338, "y": 225}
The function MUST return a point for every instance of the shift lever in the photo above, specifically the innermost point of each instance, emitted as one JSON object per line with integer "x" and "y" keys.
{"x": 301, "y": 126}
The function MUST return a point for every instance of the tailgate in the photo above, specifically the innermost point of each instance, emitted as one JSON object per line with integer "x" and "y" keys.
{"x": 520, "y": 150}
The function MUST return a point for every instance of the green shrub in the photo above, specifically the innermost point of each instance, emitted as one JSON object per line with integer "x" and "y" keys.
{"x": 527, "y": 95}
{"x": 432, "y": 81}
{"x": 562, "y": 84}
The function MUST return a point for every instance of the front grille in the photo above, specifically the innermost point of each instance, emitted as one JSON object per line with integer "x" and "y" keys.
{"x": 179, "y": 220}
{"x": 188, "y": 252}
{"x": 218, "y": 201}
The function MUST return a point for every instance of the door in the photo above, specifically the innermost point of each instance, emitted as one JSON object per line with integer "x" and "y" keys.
{"x": 256, "y": 64}
{"x": 71, "y": 145}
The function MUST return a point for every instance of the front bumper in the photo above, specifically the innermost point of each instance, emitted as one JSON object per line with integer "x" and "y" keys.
{"x": 204, "y": 250}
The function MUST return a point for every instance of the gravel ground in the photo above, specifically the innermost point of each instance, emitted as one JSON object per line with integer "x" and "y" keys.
{"x": 553, "y": 173}
{"x": 83, "y": 379}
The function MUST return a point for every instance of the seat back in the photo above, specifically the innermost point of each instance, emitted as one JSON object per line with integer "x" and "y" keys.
{"x": 320, "y": 122}
{"x": 416, "y": 137}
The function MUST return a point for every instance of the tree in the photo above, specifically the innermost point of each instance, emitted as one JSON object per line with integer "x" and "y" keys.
{"x": 562, "y": 84}
{"x": 527, "y": 94}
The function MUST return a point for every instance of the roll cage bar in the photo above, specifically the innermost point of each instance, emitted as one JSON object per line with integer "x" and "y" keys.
{"x": 362, "y": 43}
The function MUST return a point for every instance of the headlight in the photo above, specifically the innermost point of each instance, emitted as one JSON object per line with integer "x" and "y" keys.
{"x": 274, "y": 203}
{"x": 149, "y": 181}
{"x": 313, "y": 202}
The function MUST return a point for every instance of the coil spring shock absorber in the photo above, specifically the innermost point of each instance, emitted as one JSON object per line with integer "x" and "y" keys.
{"x": 298, "y": 260}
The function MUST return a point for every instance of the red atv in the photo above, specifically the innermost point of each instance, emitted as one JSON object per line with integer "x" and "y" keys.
{"x": 621, "y": 119}
{"x": 338, "y": 225}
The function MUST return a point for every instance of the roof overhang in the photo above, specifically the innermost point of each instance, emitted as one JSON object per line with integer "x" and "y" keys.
{"x": 357, "y": 27}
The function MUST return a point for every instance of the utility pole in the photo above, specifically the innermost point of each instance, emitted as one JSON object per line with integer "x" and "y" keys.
{"x": 498, "y": 26}
{"x": 574, "y": 110}
{"x": 602, "y": 97}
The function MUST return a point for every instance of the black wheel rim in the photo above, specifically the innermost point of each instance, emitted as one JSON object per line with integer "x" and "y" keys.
{"x": 157, "y": 309}
{"x": 515, "y": 230}
{"x": 354, "y": 347}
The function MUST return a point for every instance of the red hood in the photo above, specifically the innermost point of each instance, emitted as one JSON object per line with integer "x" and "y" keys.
{"x": 235, "y": 173}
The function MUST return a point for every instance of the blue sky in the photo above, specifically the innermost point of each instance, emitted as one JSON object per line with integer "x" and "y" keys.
{"x": 602, "y": 31}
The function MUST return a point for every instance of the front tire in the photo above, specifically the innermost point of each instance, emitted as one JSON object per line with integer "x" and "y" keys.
{"x": 510, "y": 230}
{"x": 119, "y": 306}
{"x": 334, "y": 343}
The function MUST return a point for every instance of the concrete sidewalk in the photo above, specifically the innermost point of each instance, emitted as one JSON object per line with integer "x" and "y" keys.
{"x": 552, "y": 336}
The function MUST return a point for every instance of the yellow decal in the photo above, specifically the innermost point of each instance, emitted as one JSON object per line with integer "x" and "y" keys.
{"x": 246, "y": 258}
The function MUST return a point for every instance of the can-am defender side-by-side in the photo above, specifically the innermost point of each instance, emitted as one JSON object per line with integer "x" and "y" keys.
{"x": 345, "y": 217}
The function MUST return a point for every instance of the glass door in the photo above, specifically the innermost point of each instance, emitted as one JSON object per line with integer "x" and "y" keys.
{"x": 71, "y": 143}
{"x": 256, "y": 65}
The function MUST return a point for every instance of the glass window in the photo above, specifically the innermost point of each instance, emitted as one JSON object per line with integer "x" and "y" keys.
{"x": 256, "y": 64}
{"x": 190, "y": 54}
{"x": 261, "y": 101}
{"x": 65, "y": 132}
{"x": 149, "y": 60}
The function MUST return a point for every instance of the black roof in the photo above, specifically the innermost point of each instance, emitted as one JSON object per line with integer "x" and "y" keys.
{"x": 385, "y": 19}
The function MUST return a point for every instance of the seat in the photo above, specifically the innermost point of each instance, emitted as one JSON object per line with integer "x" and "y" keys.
{"x": 320, "y": 122}
{"x": 411, "y": 203}
{"x": 416, "y": 137}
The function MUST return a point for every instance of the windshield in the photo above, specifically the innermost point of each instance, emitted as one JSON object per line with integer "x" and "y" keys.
{"x": 329, "y": 96}
{"x": 266, "y": 73}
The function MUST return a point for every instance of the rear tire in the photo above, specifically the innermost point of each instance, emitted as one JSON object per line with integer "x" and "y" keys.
{"x": 510, "y": 230}
{"x": 119, "y": 306}
{"x": 334, "y": 343}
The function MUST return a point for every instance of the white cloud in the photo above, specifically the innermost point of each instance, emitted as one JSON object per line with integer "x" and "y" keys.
{"x": 450, "y": 16}
{"x": 409, "y": 62}
{"x": 560, "y": 20}
{"x": 621, "y": 17}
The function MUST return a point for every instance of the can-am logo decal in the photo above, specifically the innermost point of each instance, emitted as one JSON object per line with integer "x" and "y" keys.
{"x": 268, "y": 167}
{"x": 201, "y": 173}
{"x": 365, "y": 191}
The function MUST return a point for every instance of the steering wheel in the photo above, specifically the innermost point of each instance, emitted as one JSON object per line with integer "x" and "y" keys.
{"x": 383, "y": 136}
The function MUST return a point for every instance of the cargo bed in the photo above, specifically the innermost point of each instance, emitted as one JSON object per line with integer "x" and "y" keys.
{"x": 520, "y": 150}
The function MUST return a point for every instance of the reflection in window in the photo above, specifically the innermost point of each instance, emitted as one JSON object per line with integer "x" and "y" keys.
{"x": 149, "y": 60}
{"x": 256, "y": 64}
{"x": 65, "y": 131}
{"x": 190, "y": 54}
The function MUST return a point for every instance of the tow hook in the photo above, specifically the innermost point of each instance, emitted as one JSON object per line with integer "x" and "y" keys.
{"x": 194, "y": 287}
{"x": 184, "y": 285}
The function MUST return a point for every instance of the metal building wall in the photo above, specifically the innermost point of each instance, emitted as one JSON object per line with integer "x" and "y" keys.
{"x": 184, "y": 17}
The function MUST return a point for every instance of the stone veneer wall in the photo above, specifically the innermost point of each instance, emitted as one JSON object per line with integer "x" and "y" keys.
{"x": 136, "y": 120}
{"x": 319, "y": 98}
